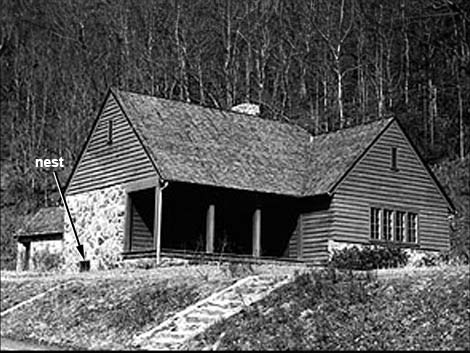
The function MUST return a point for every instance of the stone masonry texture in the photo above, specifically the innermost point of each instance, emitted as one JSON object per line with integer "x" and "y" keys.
{"x": 99, "y": 218}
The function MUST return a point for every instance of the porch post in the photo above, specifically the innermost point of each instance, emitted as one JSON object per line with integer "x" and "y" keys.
{"x": 257, "y": 233}
{"x": 19, "y": 255}
{"x": 210, "y": 221}
{"x": 23, "y": 256}
{"x": 27, "y": 257}
{"x": 157, "y": 221}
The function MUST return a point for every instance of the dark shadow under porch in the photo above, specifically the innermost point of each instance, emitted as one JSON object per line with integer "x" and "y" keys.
{"x": 243, "y": 223}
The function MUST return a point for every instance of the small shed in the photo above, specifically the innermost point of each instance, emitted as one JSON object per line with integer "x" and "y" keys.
{"x": 42, "y": 232}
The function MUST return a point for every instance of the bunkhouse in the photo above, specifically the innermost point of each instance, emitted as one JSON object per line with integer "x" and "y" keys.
{"x": 158, "y": 178}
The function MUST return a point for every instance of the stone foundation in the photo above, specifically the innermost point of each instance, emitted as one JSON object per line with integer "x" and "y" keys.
{"x": 146, "y": 263}
{"x": 336, "y": 245}
{"x": 99, "y": 218}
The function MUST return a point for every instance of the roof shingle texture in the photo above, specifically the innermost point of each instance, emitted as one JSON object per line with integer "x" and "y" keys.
{"x": 195, "y": 144}
{"x": 48, "y": 220}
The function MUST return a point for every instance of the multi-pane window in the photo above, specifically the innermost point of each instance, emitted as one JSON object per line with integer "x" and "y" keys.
{"x": 375, "y": 223}
{"x": 412, "y": 224}
{"x": 387, "y": 225}
{"x": 400, "y": 222}
{"x": 393, "y": 225}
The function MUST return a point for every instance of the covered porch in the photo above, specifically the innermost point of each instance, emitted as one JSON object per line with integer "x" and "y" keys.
{"x": 184, "y": 219}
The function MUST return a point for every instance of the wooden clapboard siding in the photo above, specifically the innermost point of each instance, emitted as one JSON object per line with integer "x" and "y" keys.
{"x": 292, "y": 250}
{"x": 314, "y": 229}
{"x": 315, "y": 234}
{"x": 141, "y": 233}
{"x": 372, "y": 183}
{"x": 101, "y": 164}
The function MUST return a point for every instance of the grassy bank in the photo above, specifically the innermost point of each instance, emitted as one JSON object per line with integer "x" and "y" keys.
{"x": 402, "y": 309}
{"x": 426, "y": 311}
{"x": 16, "y": 292}
{"x": 104, "y": 311}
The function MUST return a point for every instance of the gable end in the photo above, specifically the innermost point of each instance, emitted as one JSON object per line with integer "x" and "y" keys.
{"x": 426, "y": 167}
{"x": 358, "y": 159}
{"x": 85, "y": 145}
{"x": 415, "y": 152}
{"x": 102, "y": 164}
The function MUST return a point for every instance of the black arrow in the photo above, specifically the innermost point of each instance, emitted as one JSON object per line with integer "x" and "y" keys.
{"x": 79, "y": 246}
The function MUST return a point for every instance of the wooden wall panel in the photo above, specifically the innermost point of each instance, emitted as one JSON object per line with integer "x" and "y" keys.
{"x": 292, "y": 247}
{"x": 102, "y": 164}
{"x": 141, "y": 235}
{"x": 316, "y": 231}
{"x": 373, "y": 183}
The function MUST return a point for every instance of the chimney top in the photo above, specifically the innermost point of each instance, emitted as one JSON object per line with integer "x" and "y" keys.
{"x": 247, "y": 108}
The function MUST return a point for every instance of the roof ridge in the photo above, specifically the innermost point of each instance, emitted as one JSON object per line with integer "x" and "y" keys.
{"x": 384, "y": 119}
{"x": 114, "y": 90}
{"x": 297, "y": 126}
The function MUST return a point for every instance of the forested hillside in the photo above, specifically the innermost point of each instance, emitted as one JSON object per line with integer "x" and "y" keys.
{"x": 323, "y": 64}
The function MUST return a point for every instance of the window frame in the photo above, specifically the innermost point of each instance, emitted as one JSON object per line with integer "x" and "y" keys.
{"x": 387, "y": 224}
{"x": 395, "y": 211}
{"x": 401, "y": 226}
{"x": 378, "y": 223}
{"x": 416, "y": 228}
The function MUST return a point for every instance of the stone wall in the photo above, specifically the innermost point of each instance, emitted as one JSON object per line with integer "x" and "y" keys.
{"x": 337, "y": 245}
{"x": 99, "y": 218}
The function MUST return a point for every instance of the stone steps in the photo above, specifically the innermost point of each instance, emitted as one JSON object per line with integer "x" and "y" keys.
{"x": 195, "y": 319}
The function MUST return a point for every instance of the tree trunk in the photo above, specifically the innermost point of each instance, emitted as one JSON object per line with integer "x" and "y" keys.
{"x": 461, "y": 126}
{"x": 248, "y": 73}
{"x": 228, "y": 53}
{"x": 201, "y": 79}
{"x": 407, "y": 56}
{"x": 339, "y": 78}
{"x": 379, "y": 70}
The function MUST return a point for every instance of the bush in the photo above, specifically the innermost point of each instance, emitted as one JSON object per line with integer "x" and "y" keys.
{"x": 368, "y": 258}
{"x": 441, "y": 258}
{"x": 45, "y": 260}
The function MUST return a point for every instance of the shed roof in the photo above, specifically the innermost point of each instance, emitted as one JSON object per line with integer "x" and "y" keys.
{"x": 195, "y": 144}
{"x": 46, "y": 221}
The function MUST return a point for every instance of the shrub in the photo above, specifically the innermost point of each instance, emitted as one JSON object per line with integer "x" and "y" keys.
{"x": 368, "y": 258}
{"x": 441, "y": 258}
{"x": 45, "y": 260}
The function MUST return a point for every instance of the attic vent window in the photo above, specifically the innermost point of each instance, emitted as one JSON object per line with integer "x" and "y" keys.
{"x": 110, "y": 132}
{"x": 393, "y": 160}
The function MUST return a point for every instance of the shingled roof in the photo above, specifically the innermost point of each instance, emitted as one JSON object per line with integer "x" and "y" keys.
{"x": 48, "y": 221}
{"x": 195, "y": 144}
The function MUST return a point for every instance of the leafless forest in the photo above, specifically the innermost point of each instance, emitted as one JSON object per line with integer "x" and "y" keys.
{"x": 322, "y": 64}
